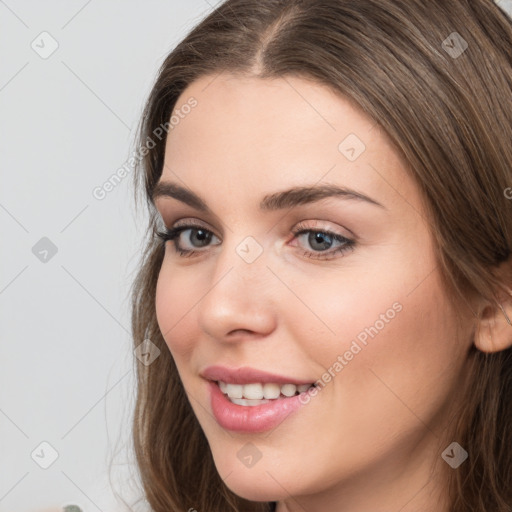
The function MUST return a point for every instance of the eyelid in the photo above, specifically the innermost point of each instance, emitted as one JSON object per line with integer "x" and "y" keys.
{"x": 304, "y": 225}
{"x": 187, "y": 221}
{"x": 173, "y": 218}
{"x": 298, "y": 226}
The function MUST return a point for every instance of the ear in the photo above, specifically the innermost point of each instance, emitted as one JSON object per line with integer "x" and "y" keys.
{"x": 494, "y": 330}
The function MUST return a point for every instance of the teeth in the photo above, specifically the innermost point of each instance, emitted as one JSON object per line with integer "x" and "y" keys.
{"x": 253, "y": 391}
{"x": 271, "y": 391}
{"x": 288, "y": 389}
{"x": 244, "y": 401}
{"x": 258, "y": 393}
{"x": 234, "y": 390}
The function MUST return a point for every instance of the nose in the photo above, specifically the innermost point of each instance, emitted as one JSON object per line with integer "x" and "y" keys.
{"x": 241, "y": 299}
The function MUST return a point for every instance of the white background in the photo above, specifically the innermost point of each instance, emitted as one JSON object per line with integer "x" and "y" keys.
{"x": 67, "y": 124}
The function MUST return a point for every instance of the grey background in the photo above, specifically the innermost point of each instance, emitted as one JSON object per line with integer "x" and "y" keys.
{"x": 67, "y": 124}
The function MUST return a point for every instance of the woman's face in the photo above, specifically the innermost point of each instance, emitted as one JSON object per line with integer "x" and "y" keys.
{"x": 365, "y": 315}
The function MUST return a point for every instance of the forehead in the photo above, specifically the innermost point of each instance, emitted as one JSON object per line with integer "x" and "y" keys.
{"x": 253, "y": 135}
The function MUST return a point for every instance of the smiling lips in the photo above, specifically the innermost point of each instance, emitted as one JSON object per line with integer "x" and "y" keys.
{"x": 257, "y": 392}
{"x": 250, "y": 400}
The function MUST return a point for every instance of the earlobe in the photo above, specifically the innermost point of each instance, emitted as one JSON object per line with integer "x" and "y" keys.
{"x": 494, "y": 329}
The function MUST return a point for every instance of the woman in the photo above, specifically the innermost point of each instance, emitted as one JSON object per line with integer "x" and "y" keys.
{"x": 328, "y": 272}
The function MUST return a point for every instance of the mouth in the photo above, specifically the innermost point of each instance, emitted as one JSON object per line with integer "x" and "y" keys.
{"x": 240, "y": 413}
{"x": 246, "y": 399}
{"x": 259, "y": 393}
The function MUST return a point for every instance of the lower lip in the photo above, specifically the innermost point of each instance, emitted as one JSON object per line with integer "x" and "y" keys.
{"x": 256, "y": 418}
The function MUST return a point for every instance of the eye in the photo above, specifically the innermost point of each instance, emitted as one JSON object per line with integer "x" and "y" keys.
{"x": 318, "y": 239}
{"x": 200, "y": 237}
{"x": 198, "y": 234}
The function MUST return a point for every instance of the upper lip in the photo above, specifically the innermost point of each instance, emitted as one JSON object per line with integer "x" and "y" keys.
{"x": 247, "y": 375}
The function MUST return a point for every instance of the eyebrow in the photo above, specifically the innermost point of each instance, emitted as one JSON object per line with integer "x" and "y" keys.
{"x": 277, "y": 201}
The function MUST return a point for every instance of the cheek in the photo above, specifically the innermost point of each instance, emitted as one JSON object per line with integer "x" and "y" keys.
{"x": 388, "y": 302}
{"x": 390, "y": 329}
{"x": 172, "y": 303}
{"x": 349, "y": 313}
{"x": 398, "y": 359}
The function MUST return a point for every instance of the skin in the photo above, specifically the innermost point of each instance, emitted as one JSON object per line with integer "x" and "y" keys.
{"x": 372, "y": 438}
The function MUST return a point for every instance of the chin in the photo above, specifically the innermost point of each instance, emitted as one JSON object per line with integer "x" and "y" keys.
{"x": 247, "y": 488}
{"x": 257, "y": 483}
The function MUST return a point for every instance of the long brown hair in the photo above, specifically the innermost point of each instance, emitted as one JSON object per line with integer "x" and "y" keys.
{"x": 446, "y": 108}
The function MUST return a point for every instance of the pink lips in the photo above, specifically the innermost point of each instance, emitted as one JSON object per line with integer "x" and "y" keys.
{"x": 258, "y": 418}
{"x": 248, "y": 375}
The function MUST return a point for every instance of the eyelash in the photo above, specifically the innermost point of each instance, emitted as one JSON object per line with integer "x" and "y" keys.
{"x": 173, "y": 235}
